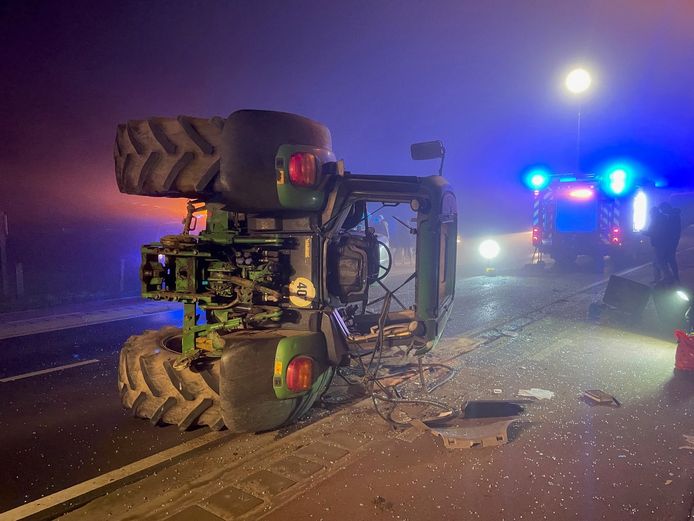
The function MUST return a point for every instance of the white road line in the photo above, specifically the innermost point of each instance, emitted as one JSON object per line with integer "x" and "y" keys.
{"x": 46, "y": 371}
{"x": 73, "y": 497}
{"x": 52, "y": 323}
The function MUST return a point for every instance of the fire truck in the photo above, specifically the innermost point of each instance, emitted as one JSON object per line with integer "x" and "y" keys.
{"x": 596, "y": 215}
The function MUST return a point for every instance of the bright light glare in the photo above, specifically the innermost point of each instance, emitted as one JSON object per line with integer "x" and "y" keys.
{"x": 619, "y": 178}
{"x": 537, "y": 179}
{"x": 582, "y": 193}
{"x": 578, "y": 81}
{"x": 618, "y": 181}
{"x": 640, "y": 211}
{"x": 681, "y": 294}
{"x": 489, "y": 249}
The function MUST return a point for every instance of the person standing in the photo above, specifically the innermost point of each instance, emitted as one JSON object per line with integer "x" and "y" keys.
{"x": 672, "y": 231}
{"x": 380, "y": 226}
{"x": 656, "y": 231}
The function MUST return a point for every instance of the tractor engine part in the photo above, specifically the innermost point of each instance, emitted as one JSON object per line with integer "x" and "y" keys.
{"x": 353, "y": 265}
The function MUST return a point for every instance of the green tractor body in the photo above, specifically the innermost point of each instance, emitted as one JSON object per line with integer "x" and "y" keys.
{"x": 276, "y": 287}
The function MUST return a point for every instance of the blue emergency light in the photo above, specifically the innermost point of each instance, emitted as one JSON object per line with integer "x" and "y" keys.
{"x": 618, "y": 179}
{"x": 537, "y": 179}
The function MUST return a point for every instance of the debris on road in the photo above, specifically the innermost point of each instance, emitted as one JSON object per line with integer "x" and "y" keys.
{"x": 381, "y": 504}
{"x": 689, "y": 438}
{"x": 598, "y": 397}
{"x": 540, "y": 394}
{"x": 473, "y": 434}
{"x": 497, "y": 391}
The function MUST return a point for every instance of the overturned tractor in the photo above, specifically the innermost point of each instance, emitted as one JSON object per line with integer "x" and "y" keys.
{"x": 286, "y": 280}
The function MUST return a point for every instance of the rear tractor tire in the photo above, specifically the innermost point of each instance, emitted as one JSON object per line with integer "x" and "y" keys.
{"x": 168, "y": 157}
{"x": 249, "y": 403}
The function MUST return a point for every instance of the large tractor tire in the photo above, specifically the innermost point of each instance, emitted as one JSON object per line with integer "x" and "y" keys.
{"x": 153, "y": 389}
{"x": 244, "y": 401}
{"x": 249, "y": 403}
{"x": 168, "y": 157}
{"x": 201, "y": 158}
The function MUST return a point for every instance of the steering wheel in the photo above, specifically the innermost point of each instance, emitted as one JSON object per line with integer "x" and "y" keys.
{"x": 386, "y": 269}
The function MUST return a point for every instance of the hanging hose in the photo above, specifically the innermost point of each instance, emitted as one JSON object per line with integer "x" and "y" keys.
{"x": 380, "y": 393}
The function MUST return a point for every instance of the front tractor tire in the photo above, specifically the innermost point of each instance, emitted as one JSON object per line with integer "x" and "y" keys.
{"x": 151, "y": 388}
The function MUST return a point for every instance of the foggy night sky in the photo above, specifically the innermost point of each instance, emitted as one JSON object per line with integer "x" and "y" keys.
{"x": 485, "y": 77}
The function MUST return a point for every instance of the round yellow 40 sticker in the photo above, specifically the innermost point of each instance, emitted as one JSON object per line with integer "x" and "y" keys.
{"x": 301, "y": 292}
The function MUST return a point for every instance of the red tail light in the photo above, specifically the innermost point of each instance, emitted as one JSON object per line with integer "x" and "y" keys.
{"x": 302, "y": 169}
{"x": 537, "y": 235}
{"x": 616, "y": 236}
{"x": 300, "y": 374}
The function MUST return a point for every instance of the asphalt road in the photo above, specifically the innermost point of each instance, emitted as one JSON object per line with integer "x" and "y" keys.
{"x": 62, "y": 428}
{"x": 567, "y": 458}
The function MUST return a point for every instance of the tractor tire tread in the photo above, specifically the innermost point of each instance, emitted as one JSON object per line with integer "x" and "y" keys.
{"x": 147, "y": 378}
{"x": 194, "y": 413}
{"x": 159, "y": 413}
{"x": 184, "y": 398}
{"x": 176, "y": 381}
{"x": 168, "y": 157}
{"x": 210, "y": 380}
{"x": 128, "y": 377}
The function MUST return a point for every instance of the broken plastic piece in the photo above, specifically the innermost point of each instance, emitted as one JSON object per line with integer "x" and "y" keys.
{"x": 690, "y": 442}
{"x": 540, "y": 394}
{"x": 474, "y": 435}
{"x": 601, "y": 398}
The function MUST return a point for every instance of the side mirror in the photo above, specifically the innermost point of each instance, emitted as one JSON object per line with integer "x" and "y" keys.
{"x": 427, "y": 150}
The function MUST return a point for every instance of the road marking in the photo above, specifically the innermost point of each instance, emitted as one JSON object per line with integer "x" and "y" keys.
{"x": 73, "y": 497}
{"x": 46, "y": 371}
{"x": 48, "y": 324}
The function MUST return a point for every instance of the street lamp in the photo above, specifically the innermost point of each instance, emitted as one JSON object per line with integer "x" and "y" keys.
{"x": 577, "y": 82}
